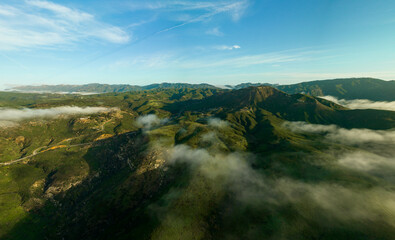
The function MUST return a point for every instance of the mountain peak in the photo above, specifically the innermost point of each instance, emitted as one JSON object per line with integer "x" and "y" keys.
{"x": 255, "y": 95}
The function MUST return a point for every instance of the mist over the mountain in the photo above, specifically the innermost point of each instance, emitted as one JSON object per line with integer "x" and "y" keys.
{"x": 194, "y": 163}
{"x": 9, "y": 114}
{"x": 149, "y": 121}
{"x": 324, "y": 204}
{"x": 344, "y": 136}
{"x": 362, "y": 103}
{"x": 197, "y": 120}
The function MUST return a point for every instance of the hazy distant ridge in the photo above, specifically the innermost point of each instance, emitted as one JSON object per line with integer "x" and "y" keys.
{"x": 348, "y": 88}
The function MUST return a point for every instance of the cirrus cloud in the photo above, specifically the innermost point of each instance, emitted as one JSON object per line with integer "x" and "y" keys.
{"x": 38, "y": 23}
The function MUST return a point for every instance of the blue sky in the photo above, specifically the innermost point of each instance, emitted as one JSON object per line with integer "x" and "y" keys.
{"x": 217, "y": 42}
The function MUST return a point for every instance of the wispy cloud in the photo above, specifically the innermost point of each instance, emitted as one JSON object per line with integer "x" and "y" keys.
{"x": 149, "y": 121}
{"x": 225, "y": 47}
{"x": 362, "y": 103}
{"x": 181, "y": 61}
{"x": 36, "y": 23}
{"x": 215, "y": 32}
{"x": 369, "y": 151}
{"x": 7, "y": 10}
{"x": 334, "y": 133}
{"x": 198, "y": 11}
{"x": 217, "y": 123}
{"x": 61, "y": 11}
{"x": 10, "y": 114}
{"x": 159, "y": 60}
{"x": 251, "y": 60}
{"x": 235, "y": 7}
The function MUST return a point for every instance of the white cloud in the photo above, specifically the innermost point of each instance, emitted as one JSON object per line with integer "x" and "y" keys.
{"x": 7, "y": 11}
{"x": 217, "y": 123}
{"x": 367, "y": 162}
{"x": 149, "y": 121}
{"x": 342, "y": 135}
{"x": 62, "y": 11}
{"x": 225, "y": 47}
{"x": 338, "y": 204}
{"x": 213, "y": 165}
{"x": 37, "y": 23}
{"x": 326, "y": 203}
{"x": 362, "y": 103}
{"x": 12, "y": 114}
{"x": 334, "y": 202}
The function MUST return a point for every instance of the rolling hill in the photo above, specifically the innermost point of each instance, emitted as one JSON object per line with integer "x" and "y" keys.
{"x": 196, "y": 163}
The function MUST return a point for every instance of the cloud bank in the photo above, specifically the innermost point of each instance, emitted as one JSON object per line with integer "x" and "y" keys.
{"x": 326, "y": 203}
{"x": 342, "y": 135}
{"x": 373, "y": 151}
{"x": 10, "y": 114}
{"x": 362, "y": 103}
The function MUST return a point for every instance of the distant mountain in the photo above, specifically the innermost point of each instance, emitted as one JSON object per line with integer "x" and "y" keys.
{"x": 246, "y": 85}
{"x": 106, "y": 88}
{"x": 92, "y": 87}
{"x": 348, "y": 88}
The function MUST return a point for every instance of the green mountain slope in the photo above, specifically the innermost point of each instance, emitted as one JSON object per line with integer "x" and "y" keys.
{"x": 295, "y": 107}
{"x": 211, "y": 164}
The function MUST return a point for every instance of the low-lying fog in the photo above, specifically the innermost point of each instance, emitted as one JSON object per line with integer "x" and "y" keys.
{"x": 362, "y": 103}
{"x": 8, "y": 116}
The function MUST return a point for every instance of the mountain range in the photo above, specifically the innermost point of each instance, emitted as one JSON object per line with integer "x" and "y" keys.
{"x": 198, "y": 162}
{"x": 349, "y": 88}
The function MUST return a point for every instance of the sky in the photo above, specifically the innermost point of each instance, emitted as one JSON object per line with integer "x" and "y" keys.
{"x": 220, "y": 42}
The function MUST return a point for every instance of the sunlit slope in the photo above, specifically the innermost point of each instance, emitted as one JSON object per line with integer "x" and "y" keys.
{"x": 236, "y": 160}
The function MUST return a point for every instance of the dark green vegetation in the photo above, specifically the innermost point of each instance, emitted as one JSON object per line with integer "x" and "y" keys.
{"x": 348, "y": 88}
{"x": 221, "y": 166}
